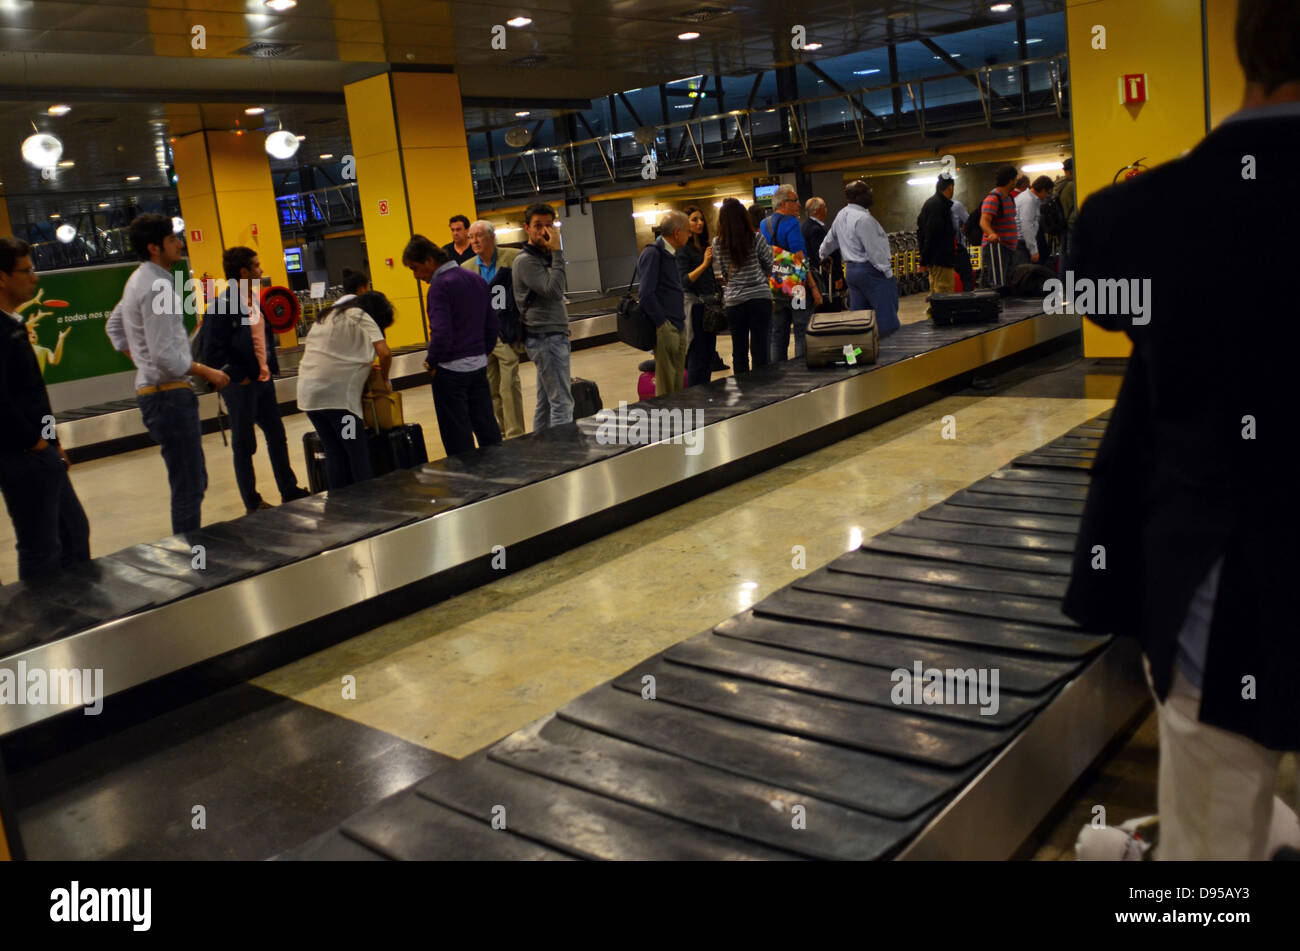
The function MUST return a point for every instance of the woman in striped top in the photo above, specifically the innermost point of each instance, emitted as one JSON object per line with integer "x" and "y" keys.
{"x": 742, "y": 260}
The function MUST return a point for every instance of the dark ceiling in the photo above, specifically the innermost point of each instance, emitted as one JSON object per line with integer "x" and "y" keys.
{"x": 130, "y": 70}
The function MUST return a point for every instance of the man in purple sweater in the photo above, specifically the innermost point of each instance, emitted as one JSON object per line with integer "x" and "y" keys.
{"x": 463, "y": 329}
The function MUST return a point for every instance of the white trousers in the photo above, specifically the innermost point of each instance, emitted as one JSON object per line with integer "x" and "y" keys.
{"x": 1216, "y": 787}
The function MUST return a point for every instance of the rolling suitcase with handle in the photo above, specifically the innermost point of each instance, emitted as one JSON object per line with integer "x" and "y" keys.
{"x": 848, "y": 337}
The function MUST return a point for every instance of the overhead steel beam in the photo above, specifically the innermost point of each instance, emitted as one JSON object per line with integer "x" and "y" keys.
{"x": 944, "y": 55}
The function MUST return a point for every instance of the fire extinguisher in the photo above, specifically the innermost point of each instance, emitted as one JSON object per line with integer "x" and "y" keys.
{"x": 1132, "y": 170}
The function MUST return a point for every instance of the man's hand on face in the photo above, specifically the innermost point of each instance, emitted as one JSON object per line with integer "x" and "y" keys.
{"x": 552, "y": 238}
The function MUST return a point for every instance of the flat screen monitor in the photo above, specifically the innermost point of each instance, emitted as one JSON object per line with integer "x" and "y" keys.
{"x": 293, "y": 260}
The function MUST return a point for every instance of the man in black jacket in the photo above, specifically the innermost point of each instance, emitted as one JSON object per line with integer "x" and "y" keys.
{"x": 49, "y": 523}
{"x": 936, "y": 239}
{"x": 229, "y": 343}
{"x": 1189, "y": 535}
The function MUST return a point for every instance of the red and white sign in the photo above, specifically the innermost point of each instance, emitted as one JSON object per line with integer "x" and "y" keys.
{"x": 196, "y": 235}
{"x": 253, "y": 230}
{"x": 1132, "y": 88}
{"x": 383, "y": 206}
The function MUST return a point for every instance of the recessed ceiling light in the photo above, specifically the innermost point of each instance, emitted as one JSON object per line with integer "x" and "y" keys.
{"x": 525, "y": 112}
{"x": 327, "y": 155}
{"x": 133, "y": 178}
{"x": 1034, "y": 39}
{"x": 56, "y": 215}
{"x": 103, "y": 204}
{"x": 812, "y": 46}
{"x": 254, "y": 111}
{"x": 302, "y": 138}
{"x": 1000, "y": 7}
{"x": 518, "y": 21}
{"x": 67, "y": 163}
{"x": 59, "y": 109}
{"x": 279, "y": 6}
{"x": 865, "y": 72}
{"x": 688, "y": 36}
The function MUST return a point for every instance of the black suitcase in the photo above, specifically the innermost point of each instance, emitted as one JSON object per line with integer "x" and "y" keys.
{"x": 405, "y": 446}
{"x": 966, "y": 307}
{"x": 314, "y": 453}
{"x": 586, "y": 398}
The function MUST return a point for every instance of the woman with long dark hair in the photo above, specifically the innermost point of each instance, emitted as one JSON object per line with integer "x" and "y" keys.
{"x": 695, "y": 268}
{"x": 742, "y": 260}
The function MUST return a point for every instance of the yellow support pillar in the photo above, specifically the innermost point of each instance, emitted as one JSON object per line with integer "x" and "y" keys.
{"x": 1226, "y": 81}
{"x": 1109, "y": 39}
{"x": 413, "y": 174}
{"x": 223, "y": 180}
{"x": 6, "y": 228}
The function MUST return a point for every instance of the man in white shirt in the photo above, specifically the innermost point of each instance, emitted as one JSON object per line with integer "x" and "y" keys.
{"x": 1028, "y": 204}
{"x": 148, "y": 325}
{"x": 865, "y": 247}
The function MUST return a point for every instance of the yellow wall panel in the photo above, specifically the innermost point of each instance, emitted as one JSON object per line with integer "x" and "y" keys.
{"x": 6, "y": 227}
{"x": 1161, "y": 38}
{"x": 370, "y": 116}
{"x": 439, "y": 185}
{"x": 379, "y": 178}
{"x": 429, "y": 110}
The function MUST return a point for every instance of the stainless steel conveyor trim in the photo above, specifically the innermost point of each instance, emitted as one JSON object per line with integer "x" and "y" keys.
{"x": 142, "y": 647}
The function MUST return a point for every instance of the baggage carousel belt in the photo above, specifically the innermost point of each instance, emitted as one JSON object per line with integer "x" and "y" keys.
{"x": 796, "y": 729}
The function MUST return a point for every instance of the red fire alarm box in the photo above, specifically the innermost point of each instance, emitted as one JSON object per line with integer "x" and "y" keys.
{"x": 1132, "y": 88}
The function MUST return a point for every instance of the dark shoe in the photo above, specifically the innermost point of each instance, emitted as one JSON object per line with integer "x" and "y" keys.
{"x": 297, "y": 493}
{"x": 261, "y": 505}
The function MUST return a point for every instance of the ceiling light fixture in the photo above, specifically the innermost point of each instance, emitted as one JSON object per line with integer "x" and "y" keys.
{"x": 67, "y": 163}
{"x": 65, "y": 233}
{"x": 300, "y": 138}
{"x": 925, "y": 181}
{"x": 42, "y": 150}
{"x": 1000, "y": 8}
{"x": 326, "y": 155}
{"x": 812, "y": 46}
{"x": 523, "y": 113}
{"x": 254, "y": 111}
{"x": 865, "y": 72}
{"x": 59, "y": 109}
{"x": 279, "y": 6}
{"x": 178, "y": 224}
{"x": 281, "y": 144}
{"x": 103, "y": 204}
{"x": 1033, "y": 39}
{"x": 688, "y": 36}
{"x": 133, "y": 178}
{"x": 517, "y": 22}
{"x": 56, "y": 215}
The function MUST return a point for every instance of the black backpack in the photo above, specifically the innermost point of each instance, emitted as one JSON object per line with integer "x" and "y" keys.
{"x": 1051, "y": 217}
{"x": 974, "y": 233}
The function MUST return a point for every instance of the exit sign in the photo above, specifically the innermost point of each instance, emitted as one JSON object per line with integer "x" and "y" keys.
{"x": 196, "y": 235}
{"x": 1132, "y": 88}
{"x": 383, "y": 206}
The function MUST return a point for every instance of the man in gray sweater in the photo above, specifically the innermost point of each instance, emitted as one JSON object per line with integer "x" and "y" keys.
{"x": 539, "y": 284}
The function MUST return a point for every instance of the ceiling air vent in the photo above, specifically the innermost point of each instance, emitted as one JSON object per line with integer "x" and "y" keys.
{"x": 532, "y": 59}
{"x": 266, "y": 50}
{"x": 702, "y": 14}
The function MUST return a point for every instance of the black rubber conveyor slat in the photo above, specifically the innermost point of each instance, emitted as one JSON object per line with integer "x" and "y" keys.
{"x": 1021, "y": 673}
{"x": 999, "y": 518}
{"x": 878, "y": 784}
{"x": 951, "y": 575}
{"x": 966, "y": 553}
{"x": 1023, "y": 504}
{"x": 574, "y": 820}
{"x": 730, "y": 804}
{"x": 984, "y": 535}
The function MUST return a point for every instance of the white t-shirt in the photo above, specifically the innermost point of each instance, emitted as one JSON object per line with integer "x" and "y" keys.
{"x": 336, "y": 361}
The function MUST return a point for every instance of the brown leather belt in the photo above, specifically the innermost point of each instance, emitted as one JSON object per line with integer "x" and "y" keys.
{"x": 162, "y": 388}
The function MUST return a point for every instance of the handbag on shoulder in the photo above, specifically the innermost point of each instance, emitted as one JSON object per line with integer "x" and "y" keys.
{"x": 634, "y": 327}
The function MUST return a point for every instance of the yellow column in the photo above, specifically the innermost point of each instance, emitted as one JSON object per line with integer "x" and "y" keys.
{"x": 223, "y": 180}
{"x": 413, "y": 174}
{"x": 1226, "y": 81}
{"x": 6, "y": 228}
{"x": 1161, "y": 38}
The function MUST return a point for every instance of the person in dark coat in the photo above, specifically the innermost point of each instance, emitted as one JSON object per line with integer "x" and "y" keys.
{"x": 936, "y": 239}
{"x": 1189, "y": 534}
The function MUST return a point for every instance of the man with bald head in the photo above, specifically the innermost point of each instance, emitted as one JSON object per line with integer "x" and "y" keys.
{"x": 493, "y": 265}
{"x": 814, "y": 230}
{"x": 663, "y": 301}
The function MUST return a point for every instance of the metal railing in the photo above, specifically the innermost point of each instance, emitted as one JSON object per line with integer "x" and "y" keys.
{"x": 793, "y": 127}
{"x": 323, "y": 207}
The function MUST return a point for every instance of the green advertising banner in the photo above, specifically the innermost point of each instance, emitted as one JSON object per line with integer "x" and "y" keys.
{"x": 66, "y": 318}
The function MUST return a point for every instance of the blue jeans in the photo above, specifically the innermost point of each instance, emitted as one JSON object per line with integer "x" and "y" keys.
{"x": 869, "y": 289}
{"x": 784, "y": 315}
{"x": 346, "y": 446}
{"x": 172, "y": 418}
{"x": 550, "y": 354}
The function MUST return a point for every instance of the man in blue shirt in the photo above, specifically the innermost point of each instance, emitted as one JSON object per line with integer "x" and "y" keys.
{"x": 663, "y": 301}
{"x": 865, "y": 247}
{"x": 781, "y": 230}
